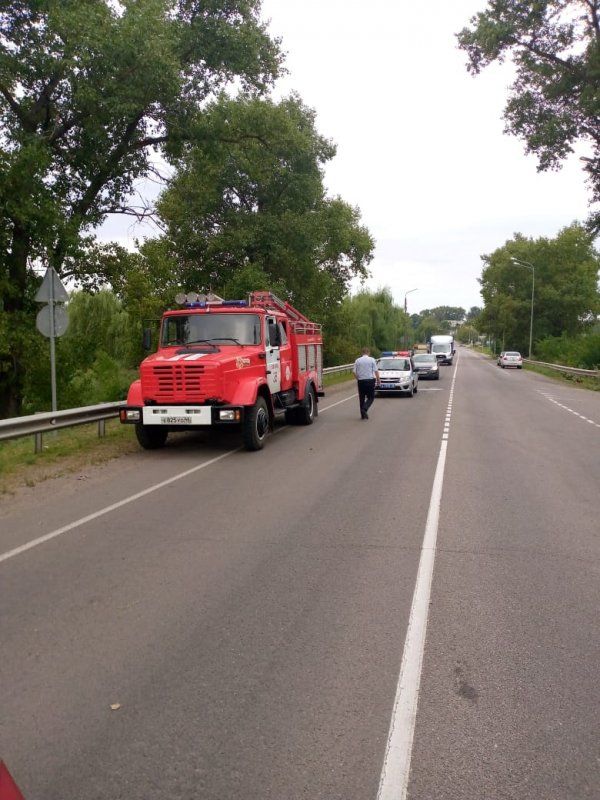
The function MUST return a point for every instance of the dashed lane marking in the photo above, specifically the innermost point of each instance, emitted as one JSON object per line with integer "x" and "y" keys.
{"x": 556, "y": 402}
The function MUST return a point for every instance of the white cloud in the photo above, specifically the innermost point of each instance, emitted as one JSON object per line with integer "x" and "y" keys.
{"x": 421, "y": 149}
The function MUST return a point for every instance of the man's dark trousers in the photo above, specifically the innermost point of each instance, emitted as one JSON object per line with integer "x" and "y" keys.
{"x": 366, "y": 394}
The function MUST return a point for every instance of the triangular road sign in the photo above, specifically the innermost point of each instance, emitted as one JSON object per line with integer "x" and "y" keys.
{"x": 51, "y": 285}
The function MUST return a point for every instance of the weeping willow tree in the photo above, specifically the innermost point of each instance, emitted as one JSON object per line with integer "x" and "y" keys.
{"x": 95, "y": 359}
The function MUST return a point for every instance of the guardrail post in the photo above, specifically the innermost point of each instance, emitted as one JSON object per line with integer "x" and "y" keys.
{"x": 101, "y": 428}
{"x": 39, "y": 443}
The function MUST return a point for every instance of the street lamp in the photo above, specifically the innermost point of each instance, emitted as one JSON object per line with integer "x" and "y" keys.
{"x": 409, "y": 291}
{"x": 519, "y": 263}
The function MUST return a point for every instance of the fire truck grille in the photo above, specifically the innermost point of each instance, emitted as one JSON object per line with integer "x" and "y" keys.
{"x": 179, "y": 383}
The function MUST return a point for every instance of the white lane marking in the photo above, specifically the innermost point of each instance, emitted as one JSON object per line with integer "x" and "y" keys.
{"x": 90, "y": 517}
{"x": 393, "y": 783}
{"x": 101, "y": 512}
{"x": 570, "y": 410}
{"x": 107, "y": 509}
{"x": 339, "y": 402}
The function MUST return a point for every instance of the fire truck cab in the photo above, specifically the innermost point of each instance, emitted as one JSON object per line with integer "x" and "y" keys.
{"x": 228, "y": 362}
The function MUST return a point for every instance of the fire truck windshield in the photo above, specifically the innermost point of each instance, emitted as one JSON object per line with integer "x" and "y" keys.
{"x": 213, "y": 328}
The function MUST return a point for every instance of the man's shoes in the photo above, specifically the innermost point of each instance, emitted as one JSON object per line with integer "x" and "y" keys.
{"x": 363, "y": 414}
{"x": 366, "y": 415}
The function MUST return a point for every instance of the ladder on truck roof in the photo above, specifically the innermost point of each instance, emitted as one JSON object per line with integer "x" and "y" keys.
{"x": 268, "y": 301}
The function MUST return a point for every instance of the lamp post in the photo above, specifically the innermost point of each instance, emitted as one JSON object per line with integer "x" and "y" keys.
{"x": 406, "y": 293}
{"x": 519, "y": 263}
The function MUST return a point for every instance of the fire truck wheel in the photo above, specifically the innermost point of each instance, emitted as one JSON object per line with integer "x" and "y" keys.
{"x": 307, "y": 410}
{"x": 256, "y": 425}
{"x": 151, "y": 438}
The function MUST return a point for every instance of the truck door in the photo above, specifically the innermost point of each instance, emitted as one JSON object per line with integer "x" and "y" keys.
{"x": 285, "y": 357}
{"x": 272, "y": 344}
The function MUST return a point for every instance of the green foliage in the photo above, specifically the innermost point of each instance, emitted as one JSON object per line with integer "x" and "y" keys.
{"x": 566, "y": 298}
{"x": 368, "y": 319}
{"x": 97, "y": 323}
{"x": 444, "y": 313}
{"x": 95, "y": 358}
{"x": 582, "y": 352}
{"x": 467, "y": 334}
{"x": 105, "y": 379}
{"x": 250, "y": 194}
{"x": 427, "y": 327}
{"x": 554, "y": 100}
{"x": 90, "y": 92}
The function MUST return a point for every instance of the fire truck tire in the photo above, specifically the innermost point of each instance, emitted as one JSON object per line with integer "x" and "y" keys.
{"x": 256, "y": 425}
{"x": 307, "y": 410}
{"x": 150, "y": 437}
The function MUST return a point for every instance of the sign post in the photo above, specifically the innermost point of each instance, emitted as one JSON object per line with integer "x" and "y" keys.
{"x": 52, "y": 320}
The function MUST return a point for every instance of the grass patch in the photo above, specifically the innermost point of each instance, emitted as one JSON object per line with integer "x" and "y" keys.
{"x": 337, "y": 377}
{"x": 583, "y": 381}
{"x": 64, "y": 451}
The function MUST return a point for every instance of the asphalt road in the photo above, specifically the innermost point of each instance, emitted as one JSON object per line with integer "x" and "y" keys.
{"x": 205, "y": 623}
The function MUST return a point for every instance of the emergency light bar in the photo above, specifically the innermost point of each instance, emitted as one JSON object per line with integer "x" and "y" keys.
{"x": 195, "y": 300}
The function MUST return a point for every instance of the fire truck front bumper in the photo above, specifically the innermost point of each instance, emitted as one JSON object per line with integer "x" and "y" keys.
{"x": 182, "y": 416}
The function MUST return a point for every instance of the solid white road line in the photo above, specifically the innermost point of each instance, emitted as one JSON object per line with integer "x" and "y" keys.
{"x": 91, "y": 517}
{"x": 132, "y": 498}
{"x": 393, "y": 784}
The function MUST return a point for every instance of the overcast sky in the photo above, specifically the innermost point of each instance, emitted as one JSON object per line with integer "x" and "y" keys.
{"x": 420, "y": 143}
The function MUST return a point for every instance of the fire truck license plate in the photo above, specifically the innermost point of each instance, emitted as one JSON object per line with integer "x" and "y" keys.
{"x": 176, "y": 420}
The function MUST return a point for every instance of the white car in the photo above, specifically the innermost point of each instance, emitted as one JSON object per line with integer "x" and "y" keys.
{"x": 510, "y": 359}
{"x": 397, "y": 375}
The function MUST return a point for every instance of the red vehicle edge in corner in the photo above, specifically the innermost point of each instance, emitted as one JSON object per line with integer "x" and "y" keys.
{"x": 228, "y": 362}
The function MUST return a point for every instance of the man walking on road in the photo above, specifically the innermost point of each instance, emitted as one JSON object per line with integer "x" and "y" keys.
{"x": 367, "y": 377}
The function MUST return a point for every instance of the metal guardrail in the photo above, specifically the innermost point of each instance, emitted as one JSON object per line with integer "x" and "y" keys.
{"x": 341, "y": 368}
{"x": 38, "y": 424}
{"x": 590, "y": 373}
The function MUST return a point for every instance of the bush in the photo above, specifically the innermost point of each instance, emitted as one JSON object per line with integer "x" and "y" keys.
{"x": 106, "y": 380}
{"x": 581, "y": 351}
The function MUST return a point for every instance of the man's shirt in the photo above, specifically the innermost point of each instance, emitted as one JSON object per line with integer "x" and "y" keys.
{"x": 365, "y": 368}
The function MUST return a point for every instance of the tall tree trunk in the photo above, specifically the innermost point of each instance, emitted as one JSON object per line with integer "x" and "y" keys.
{"x": 12, "y": 371}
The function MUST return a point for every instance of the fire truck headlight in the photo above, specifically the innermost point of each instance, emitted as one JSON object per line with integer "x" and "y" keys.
{"x": 229, "y": 414}
{"x": 130, "y": 415}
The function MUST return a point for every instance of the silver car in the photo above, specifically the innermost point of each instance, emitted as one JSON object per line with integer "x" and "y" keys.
{"x": 397, "y": 375}
{"x": 426, "y": 366}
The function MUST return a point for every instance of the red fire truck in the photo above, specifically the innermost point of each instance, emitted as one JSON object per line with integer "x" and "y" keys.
{"x": 228, "y": 362}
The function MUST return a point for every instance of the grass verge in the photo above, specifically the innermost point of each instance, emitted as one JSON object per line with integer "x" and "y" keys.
{"x": 64, "y": 451}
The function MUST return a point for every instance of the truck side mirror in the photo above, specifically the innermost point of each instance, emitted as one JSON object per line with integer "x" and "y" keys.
{"x": 147, "y": 339}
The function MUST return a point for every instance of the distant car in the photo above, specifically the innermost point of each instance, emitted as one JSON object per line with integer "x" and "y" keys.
{"x": 426, "y": 366}
{"x": 397, "y": 374}
{"x": 510, "y": 359}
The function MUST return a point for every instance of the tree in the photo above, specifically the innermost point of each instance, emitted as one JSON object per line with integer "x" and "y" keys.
{"x": 91, "y": 93}
{"x": 554, "y": 100}
{"x": 250, "y": 195}
{"x": 443, "y": 314}
{"x": 94, "y": 358}
{"x": 566, "y": 296}
{"x": 368, "y": 319}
